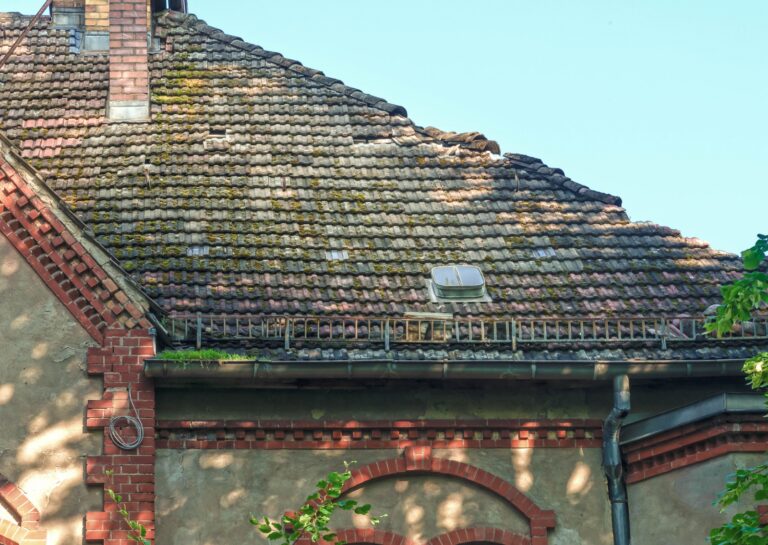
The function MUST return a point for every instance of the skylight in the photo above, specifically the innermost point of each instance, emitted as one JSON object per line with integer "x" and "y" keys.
{"x": 458, "y": 282}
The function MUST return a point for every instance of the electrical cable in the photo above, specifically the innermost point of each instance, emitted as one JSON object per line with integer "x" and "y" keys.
{"x": 23, "y": 34}
{"x": 134, "y": 421}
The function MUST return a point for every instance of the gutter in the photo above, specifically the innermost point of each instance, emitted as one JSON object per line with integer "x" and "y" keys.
{"x": 255, "y": 372}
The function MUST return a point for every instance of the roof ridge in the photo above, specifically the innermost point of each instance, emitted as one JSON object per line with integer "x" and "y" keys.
{"x": 11, "y": 15}
{"x": 474, "y": 140}
{"x": 192, "y": 21}
{"x": 556, "y": 176}
{"x": 14, "y": 16}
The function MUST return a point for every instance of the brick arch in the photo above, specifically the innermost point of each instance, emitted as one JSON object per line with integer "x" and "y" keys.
{"x": 463, "y": 536}
{"x": 28, "y": 532}
{"x": 420, "y": 460}
{"x": 369, "y": 536}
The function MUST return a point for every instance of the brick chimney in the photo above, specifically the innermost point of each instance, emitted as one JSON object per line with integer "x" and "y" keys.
{"x": 128, "y": 60}
{"x": 68, "y": 13}
{"x": 120, "y": 28}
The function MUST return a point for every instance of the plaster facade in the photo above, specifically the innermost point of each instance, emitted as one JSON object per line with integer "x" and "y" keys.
{"x": 193, "y": 485}
{"x": 206, "y": 497}
{"x": 677, "y": 507}
{"x": 43, "y": 389}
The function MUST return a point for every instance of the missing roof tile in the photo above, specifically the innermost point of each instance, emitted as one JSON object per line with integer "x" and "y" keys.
{"x": 543, "y": 252}
{"x": 196, "y": 251}
{"x": 216, "y": 139}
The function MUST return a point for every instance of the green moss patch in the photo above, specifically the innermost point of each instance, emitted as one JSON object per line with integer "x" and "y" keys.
{"x": 198, "y": 355}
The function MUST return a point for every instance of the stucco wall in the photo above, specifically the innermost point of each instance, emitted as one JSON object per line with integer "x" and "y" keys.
{"x": 677, "y": 507}
{"x": 43, "y": 390}
{"x": 205, "y": 497}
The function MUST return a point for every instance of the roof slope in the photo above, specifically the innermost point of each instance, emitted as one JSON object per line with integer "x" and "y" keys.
{"x": 79, "y": 271}
{"x": 254, "y": 167}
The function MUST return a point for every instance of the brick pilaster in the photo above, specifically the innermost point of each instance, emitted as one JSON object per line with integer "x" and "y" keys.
{"x": 120, "y": 361}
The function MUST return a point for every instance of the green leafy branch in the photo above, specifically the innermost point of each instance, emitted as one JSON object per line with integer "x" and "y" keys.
{"x": 743, "y": 529}
{"x": 138, "y": 531}
{"x": 745, "y": 295}
{"x": 740, "y": 299}
{"x": 314, "y": 516}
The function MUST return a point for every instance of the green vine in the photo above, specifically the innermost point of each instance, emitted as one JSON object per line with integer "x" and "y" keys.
{"x": 138, "y": 531}
{"x": 313, "y": 518}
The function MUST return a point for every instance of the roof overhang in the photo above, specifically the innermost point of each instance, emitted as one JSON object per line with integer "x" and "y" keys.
{"x": 721, "y": 404}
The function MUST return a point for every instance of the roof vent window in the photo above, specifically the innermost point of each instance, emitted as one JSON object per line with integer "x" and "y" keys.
{"x": 216, "y": 139}
{"x": 458, "y": 282}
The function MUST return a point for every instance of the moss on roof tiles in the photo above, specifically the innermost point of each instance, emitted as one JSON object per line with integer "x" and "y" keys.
{"x": 310, "y": 165}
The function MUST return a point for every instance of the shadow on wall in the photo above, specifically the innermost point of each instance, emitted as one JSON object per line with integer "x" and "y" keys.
{"x": 205, "y": 497}
{"x": 43, "y": 392}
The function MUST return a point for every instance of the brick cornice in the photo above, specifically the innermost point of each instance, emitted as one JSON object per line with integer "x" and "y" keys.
{"x": 695, "y": 443}
{"x": 66, "y": 260}
{"x": 342, "y": 434}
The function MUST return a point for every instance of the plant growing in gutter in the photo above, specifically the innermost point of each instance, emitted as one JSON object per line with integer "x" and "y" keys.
{"x": 314, "y": 516}
{"x": 198, "y": 355}
{"x": 740, "y": 300}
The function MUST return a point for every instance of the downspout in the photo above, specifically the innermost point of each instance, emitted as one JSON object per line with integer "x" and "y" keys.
{"x": 612, "y": 463}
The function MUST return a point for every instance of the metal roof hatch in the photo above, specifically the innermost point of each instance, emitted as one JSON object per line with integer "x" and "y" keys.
{"x": 458, "y": 283}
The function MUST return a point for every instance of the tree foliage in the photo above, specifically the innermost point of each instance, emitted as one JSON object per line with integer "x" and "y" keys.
{"x": 740, "y": 300}
{"x": 313, "y": 518}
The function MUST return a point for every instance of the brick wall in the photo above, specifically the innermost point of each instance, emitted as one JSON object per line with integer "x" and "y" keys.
{"x": 68, "y": 3}
{"x": 120, "y": 362}
{"x": 97, "y": 15}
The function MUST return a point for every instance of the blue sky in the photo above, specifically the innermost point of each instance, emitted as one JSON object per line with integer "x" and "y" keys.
{"x": 663, "y": 102}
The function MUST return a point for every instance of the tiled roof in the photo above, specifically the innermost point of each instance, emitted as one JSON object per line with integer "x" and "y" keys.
{"x": 80, "y": 272}
{"x": 255, "y": 167}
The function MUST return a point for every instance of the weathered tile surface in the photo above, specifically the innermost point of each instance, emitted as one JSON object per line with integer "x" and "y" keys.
{"x": 253, "y": 167}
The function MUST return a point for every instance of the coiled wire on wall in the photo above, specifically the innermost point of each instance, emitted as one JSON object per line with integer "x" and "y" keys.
{"x": 134, "y": 421}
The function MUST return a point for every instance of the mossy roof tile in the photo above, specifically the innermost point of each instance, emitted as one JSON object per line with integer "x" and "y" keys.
{"x": 302, "y": 163}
